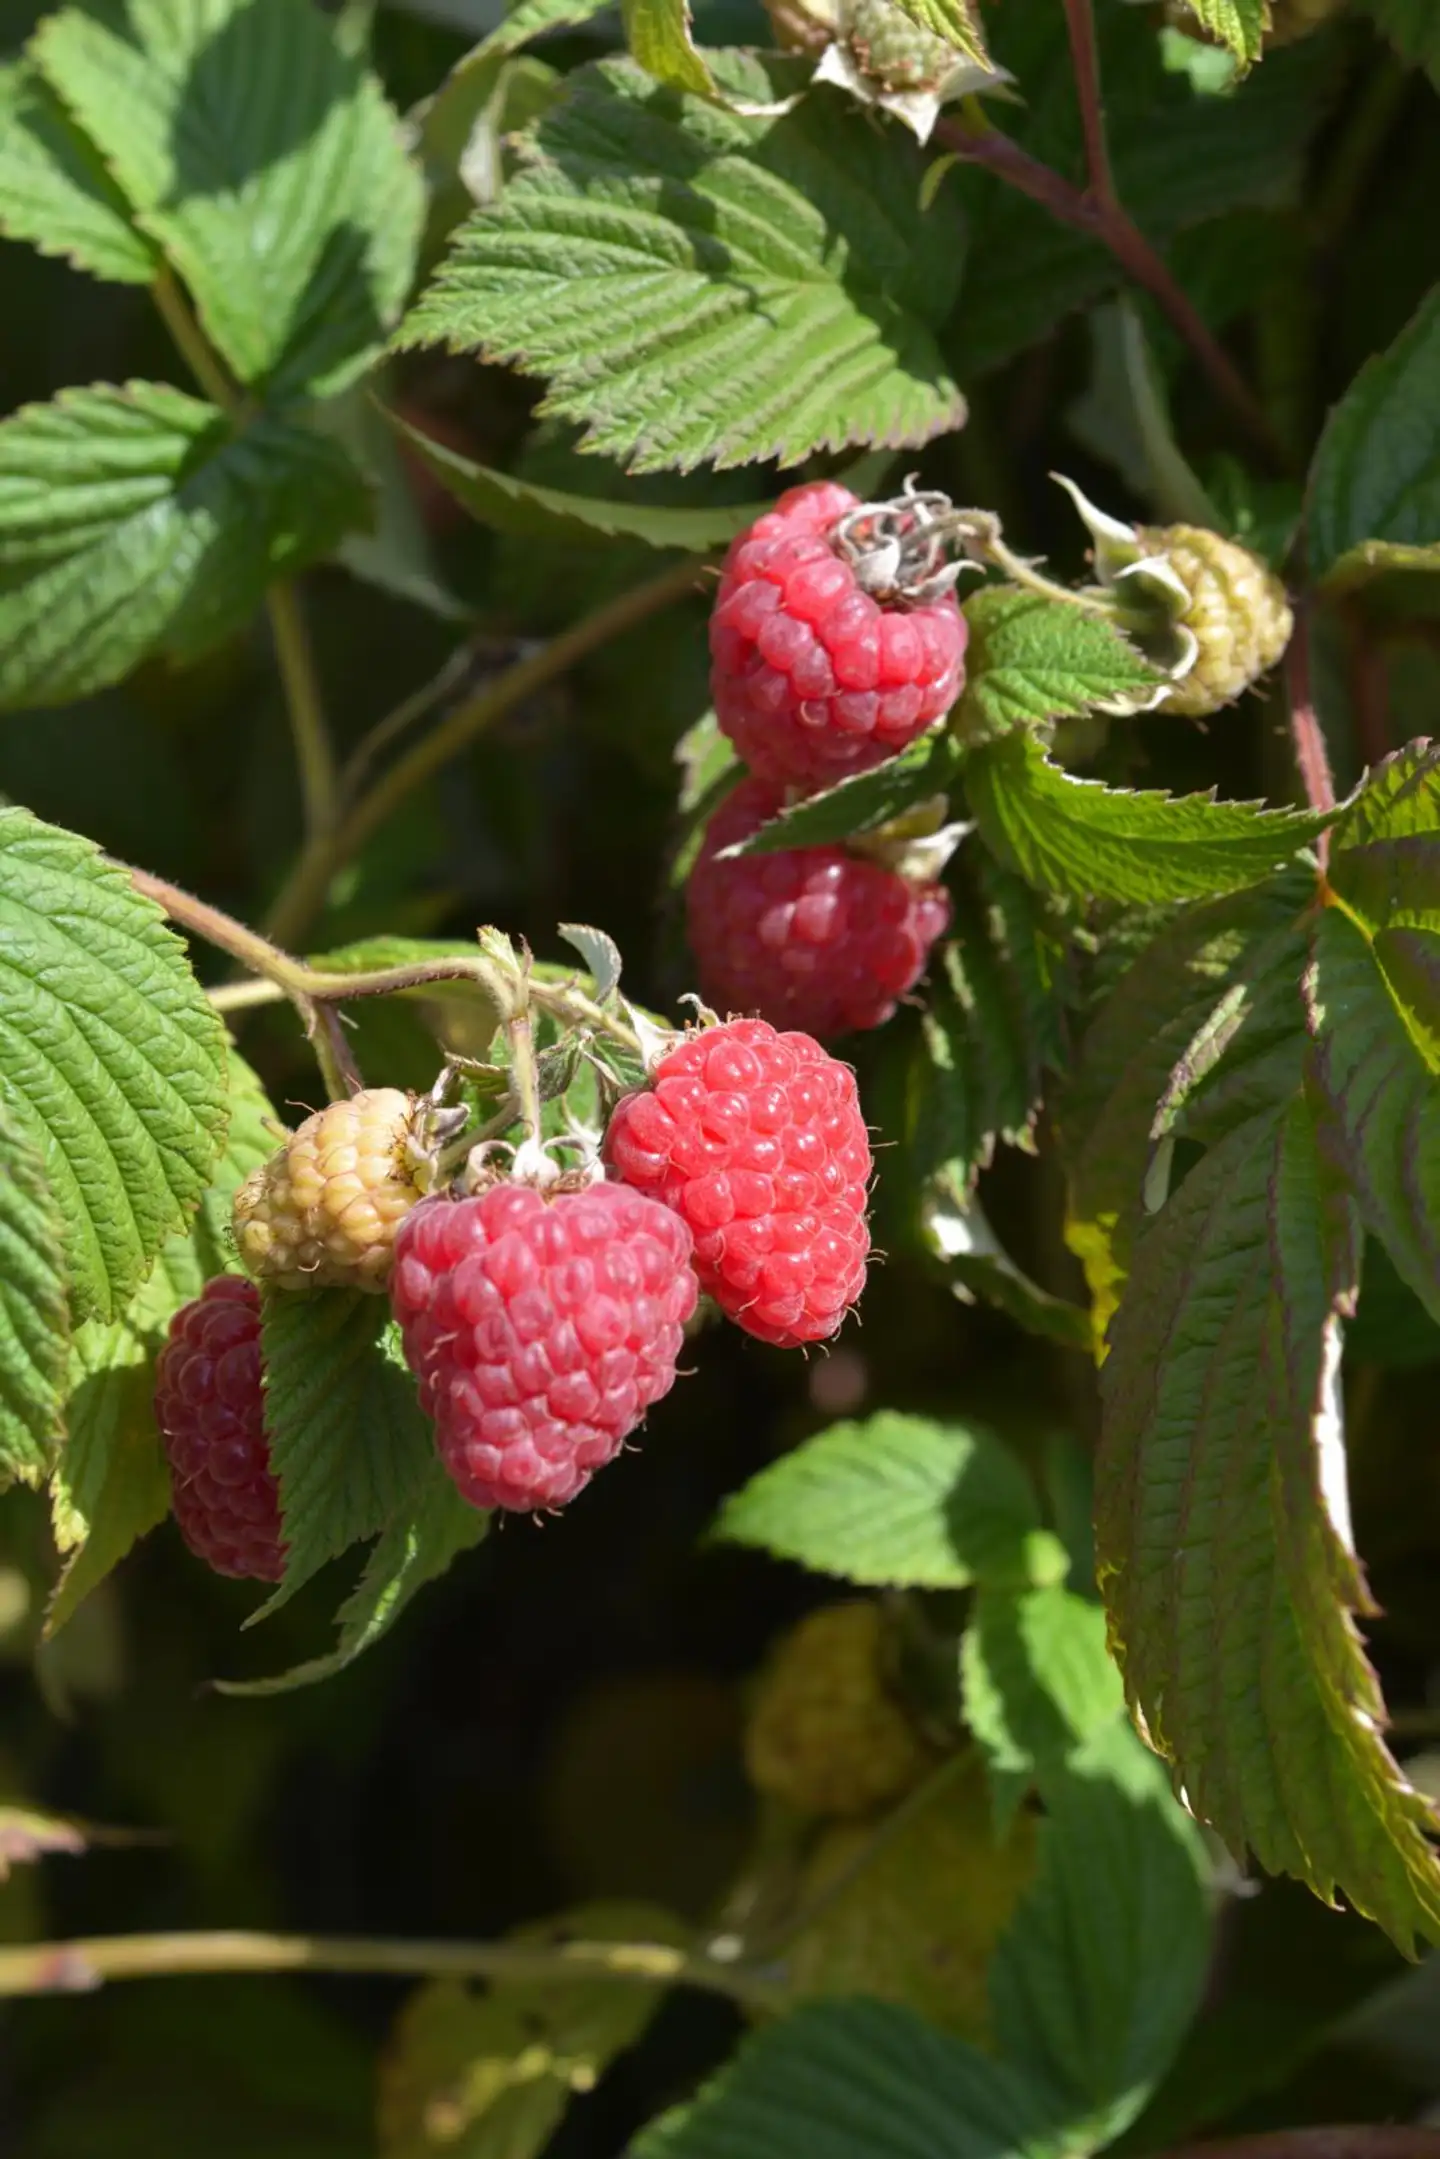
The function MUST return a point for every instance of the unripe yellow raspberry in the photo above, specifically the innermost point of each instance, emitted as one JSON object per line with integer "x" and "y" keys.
{"x": 1237, "y": 613}
{"x": 323, "y": 1211}
{"x": 824, "y": 1734}
{"x": 916, "y": 1918}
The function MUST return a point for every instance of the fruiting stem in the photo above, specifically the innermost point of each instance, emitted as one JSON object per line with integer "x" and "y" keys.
{"x": 1312, "y": 759}
{"x": 191, "y": 342}
{"x": 524, "y": 1073}
{"x": 327, "y": 852}
{"x": 314, "y": 757}
{"x": 333, "y": 1053}
{"x": 77, "y": 1966}
{"x": 978, "y": 143}
{"x": 1085, "y": 60}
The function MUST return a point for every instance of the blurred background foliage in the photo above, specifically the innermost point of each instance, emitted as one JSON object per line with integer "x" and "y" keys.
{"x": 559, "y": 1718}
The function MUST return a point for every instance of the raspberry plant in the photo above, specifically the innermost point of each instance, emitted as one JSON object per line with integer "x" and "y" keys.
{"x": 621, "y": 453}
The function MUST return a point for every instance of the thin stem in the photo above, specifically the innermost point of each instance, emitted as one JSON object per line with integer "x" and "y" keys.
{"x": 313, "y": 753}
{"x": 524, "y": 1073}
{"x": 72, "y": 1966}
{"x": 327, "y": 852}
{"x": 973, "y": 139}
{"x": 447, "y": 680}
{"x": 333, "y": 1053}
{"x": 1312, "y": 759}
{"x": 244, "y": 996}
{"x": 1085, "y": 60}
{"x": 191, "y": 341}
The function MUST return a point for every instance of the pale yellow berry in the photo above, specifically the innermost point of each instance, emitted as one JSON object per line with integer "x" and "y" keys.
{"x": 323, "y": 1211}
{"x": 825, "y": 1735}
{"x": 1238, "y": 614}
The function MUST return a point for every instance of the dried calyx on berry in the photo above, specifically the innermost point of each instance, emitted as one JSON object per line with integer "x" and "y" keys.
{"x": 1205, "y": 610}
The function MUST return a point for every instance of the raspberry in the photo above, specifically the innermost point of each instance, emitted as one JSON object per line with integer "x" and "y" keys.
{"x": 323, "y": 1211}
{"x": 756, "y": 1139}
{"x": 540, "y": 1329}
{"x": 810, "y": 937}
{"x": 893, "y": 50}
{"x": 824, "y": 1735}
{"x": 208, "y": 1406}
{"x": 813, "y": 677}
{"x": 1238, "y": 615}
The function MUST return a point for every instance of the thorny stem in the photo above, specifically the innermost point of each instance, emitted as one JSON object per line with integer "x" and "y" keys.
{"x": 1312, "y": 760}
{"x": 327, "y": 852}
{"x": 314, "y": 756}
{"x": 1085, "y": 60}
{"x": 978, "y": 143}
{"x": 75, "y": 1966}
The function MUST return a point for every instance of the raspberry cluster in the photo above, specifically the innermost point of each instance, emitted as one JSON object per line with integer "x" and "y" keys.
{"x": 818, "y": 938}
{"x": 541, "y": 1328}
{"x": 757, "y": 1141}
{"x": 209, "y": 1407}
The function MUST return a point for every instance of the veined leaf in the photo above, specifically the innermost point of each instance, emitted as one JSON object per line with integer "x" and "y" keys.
{"x": 1088, "y": 841}
{"x": 698, "y": 283}
{"x": 1386, "y": 848}
{"x": 34, "y": 1313}
{"x": 1238, "y": 25}
{"x": 264, "y": 161}
{"x": 658, "y": 34}
{"x": 508, "y": 504}
{"x": 1097, "y": 1980}
{"x": 139, "y": 520}
{"x": 1375, "y": 482}
{"x": 862, "y": 802}
{"x": 55, "y": 191}
{"x": 348, "y": 1443}
{"x": 1031, "y": 659}
{"x": 857, "y": 2080}
{"x": 1222, "y": 1527}
{"x": 110, "y": 1056}
{"x": 1036, "y": 1682}
{"x": 899, "y": 1501}
{"x": 489, "y": 2074}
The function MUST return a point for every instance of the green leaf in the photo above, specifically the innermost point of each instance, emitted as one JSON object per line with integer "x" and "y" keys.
{"x": 957, "y": 1231}
{"x": 659, "y": 36}
{"x": 348, "y": 1443}
{"x": 55, "y": 191}
{"x": 1413, "y": 28}
{"x": 110, "y": 1056}
{"x": 263, "y": 160}
{"x": 34, "y": 1314}
{"x": 508, "y": 504}
{"x": 1036, "y": 1681}
{"x": 1031, "y": 659}
{"x": 417, "y": 1546}
{"x": 862, "y": 802}
{"x": 489, "y": 2075}
{"x": 1096, "y": 1981}
{"x": 1386, "y": 847}
{"x": 855, "y": 2080}
{"x": 1238, "y": 25}
{"x": 899, "y": 1502}
{"x": 992, "y": 1027}
{"x": 139, "y": 520}
{"x": 1222, "y": 1527}
{"x": 1375, "y": 482}
{"x": 1088, "y": 841}
{"x": 700, "y": 283}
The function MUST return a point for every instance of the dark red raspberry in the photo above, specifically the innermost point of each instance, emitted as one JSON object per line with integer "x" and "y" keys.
{"x": 809, "y": 937}
{"x": 209, "y": 1407}
{"x": 541, "y": 1328}
{"x": 756, "y": 1140}
{"x": 813, "y": 677}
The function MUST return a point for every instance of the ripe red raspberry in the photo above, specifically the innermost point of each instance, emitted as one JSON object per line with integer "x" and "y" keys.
{"x": 541, "y": 1328}
{"x": 756, "y": 1140}
{"x": 813, "y": 676}
{"x": 209, "y": 1408}
{"x": 809, "y": 937}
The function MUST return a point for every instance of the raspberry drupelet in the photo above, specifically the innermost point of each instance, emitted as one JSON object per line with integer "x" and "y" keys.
{"x": 541, "y": 1327}
{"x": 210, "y": 1409}
{"x": 816, "y": 938}
{"x": 756, "y": 1139}
{"x": 819, "y": 669}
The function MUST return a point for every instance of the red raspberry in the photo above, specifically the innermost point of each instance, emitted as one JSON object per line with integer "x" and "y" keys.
{"x": 756, "y": 1140}
{"x": 810, "y": 937}
{"x": 541, "y": 1329}
{"x": 812, "y": 677}
{"x": 209, "y": 1407}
